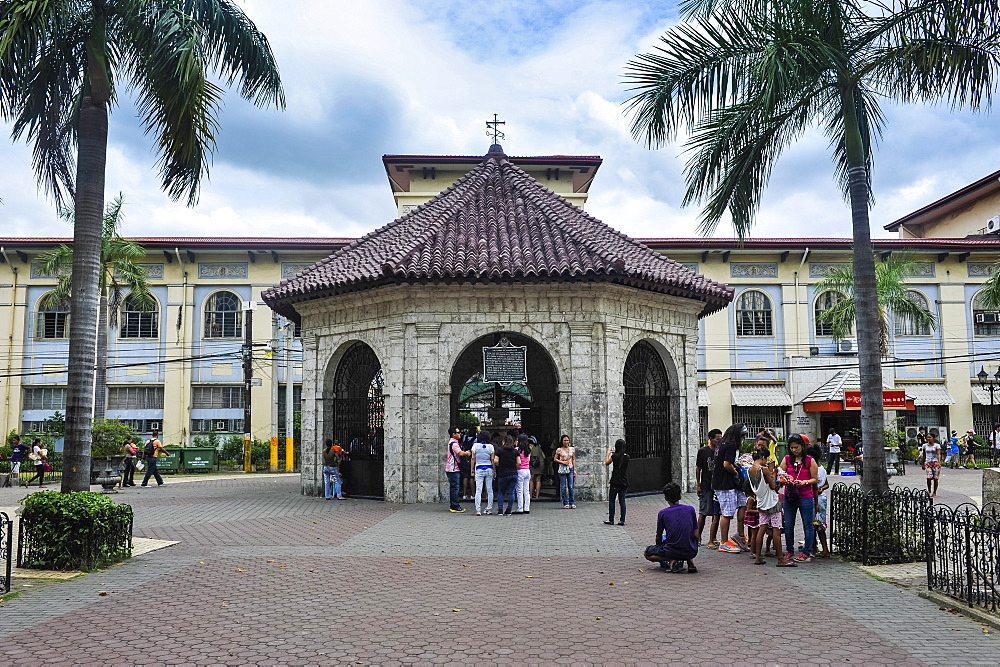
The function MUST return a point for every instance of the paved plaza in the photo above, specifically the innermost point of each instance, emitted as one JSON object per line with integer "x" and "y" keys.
{"x": 263, "y": 575}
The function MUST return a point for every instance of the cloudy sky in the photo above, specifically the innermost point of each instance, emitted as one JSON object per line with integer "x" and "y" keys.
{"x": 391, "y": 76}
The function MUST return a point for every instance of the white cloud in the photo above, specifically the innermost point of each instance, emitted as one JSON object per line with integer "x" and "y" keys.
{"x": 399, "y": 76}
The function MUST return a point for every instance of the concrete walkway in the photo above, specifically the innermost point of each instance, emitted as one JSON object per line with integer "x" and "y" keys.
{"x": 262, "y": 575}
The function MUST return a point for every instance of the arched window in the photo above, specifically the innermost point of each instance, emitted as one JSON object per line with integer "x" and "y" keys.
{"x": 53, "y": 321}
{"x": 139, "y": 323}
{"x": 984, "y": 322}
{"x": 825, "y": 302}
{"x": 753, "y": 314}
{"x": 223, "y": 316}
{"x": 905, "y": 326}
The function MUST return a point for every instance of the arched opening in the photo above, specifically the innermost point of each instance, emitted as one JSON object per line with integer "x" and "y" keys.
{"x": 357, "y": 420}
{"x": 646, "y": 409}
{"x": 532, "y": 405}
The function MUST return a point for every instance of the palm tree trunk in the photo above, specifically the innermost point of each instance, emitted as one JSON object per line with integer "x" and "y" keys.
{"x": 101, "y": 370}
{"x": 866, "y": 310}
{"x": 90, "y": 170}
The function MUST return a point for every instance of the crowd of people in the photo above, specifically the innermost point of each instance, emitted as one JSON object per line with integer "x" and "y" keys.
{"x": 765, "y": 497}
{"x": 510, "y": 465}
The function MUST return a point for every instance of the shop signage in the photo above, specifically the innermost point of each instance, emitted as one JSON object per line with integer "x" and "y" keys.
{"x": 892, "y": 399}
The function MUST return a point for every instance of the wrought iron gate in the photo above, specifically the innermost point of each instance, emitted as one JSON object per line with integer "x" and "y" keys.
{"x": 359, "y": 420}
{"x": 6, "y": 538}
{"x": 646, "y": 409}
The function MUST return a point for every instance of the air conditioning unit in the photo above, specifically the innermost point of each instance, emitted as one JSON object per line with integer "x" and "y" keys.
{"x": 993, "y": 225}
{"x": 987, "y": 318}
{"x": 847, "y": 346}
{"x": 222, "y": 425}
{"x": 813, "y": 350}
{"x": 154, "y": 426}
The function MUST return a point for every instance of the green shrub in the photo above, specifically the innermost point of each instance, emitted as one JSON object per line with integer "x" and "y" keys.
{"x": 82, "y": 530}
{"x": 232, "y": 449}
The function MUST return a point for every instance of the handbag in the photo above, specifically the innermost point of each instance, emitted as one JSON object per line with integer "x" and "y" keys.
{"x": 564, "y": 469}
{"x": 46, "y": 467}
{"x": 34, "y": 457}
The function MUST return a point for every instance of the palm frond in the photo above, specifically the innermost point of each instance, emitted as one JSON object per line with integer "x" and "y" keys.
{"x": 237, "y": 50}
{"x": 989, "y": 296}
{"x": 42, "y": 60}
{"x": 696, "y": 69}
{"x": 176, "y": 101}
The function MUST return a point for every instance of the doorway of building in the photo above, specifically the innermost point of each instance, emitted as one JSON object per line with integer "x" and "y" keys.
{"x": 646, "y": 409}
{"x": 356, "y": 420}
{"x": 532, "y": 406}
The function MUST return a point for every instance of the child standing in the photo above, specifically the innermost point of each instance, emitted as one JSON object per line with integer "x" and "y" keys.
{"x": 952, "y": 457}
{"x": 764, "y": 480}
{"x": 751, "y": 518}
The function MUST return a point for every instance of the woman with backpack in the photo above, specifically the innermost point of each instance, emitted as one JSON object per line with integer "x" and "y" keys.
{"x": 799, "y": 497}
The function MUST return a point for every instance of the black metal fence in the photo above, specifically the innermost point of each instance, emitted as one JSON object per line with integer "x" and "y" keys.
{"x": 963, "y": 553}
{"x": 106, "y": 539}
{"x": 6, "y": 538}
{"x": 878, "y": 529}
{"x": 28, "y": 471}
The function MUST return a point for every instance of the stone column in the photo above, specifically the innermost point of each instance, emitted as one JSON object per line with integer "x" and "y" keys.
{"x": 392, "y": 392}
{"x": 431, "y": 428}
{"x": 588, "y": 409}
{"x": 313, "y": 418}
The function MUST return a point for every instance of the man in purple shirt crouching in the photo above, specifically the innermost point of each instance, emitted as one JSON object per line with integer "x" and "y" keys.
{"x": 676, "y": 534}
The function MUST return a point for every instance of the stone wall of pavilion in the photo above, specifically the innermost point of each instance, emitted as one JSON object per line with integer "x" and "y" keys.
{"x": 419, "y": 332}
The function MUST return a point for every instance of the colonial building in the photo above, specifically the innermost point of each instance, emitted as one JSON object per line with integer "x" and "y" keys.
{"x": 763, "y": 359}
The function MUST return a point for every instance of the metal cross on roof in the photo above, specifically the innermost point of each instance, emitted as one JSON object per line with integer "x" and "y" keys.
{"x": 493, "y": 129}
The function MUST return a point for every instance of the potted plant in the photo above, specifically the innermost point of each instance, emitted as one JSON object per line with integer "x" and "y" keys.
{"x": 106, "y": 450}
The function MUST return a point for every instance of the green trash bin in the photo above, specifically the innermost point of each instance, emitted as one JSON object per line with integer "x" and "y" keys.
{"x": 171, "y": 462}
{"x": 199, "y": 458}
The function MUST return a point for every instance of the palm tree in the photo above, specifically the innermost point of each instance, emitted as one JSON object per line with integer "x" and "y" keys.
{"x": 60, "y": 64}
{"x": 893, "y": 298}
{"x": 746, "y": 78}
{"x": 120, "y": 273}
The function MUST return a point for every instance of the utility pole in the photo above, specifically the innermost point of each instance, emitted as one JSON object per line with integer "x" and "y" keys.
{"x": 247, "y": 380}
{"x": 286, "y": 342}
{"x": 274, "y": 391}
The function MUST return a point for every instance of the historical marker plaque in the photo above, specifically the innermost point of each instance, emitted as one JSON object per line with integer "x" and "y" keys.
{"x": 505, "y": 363}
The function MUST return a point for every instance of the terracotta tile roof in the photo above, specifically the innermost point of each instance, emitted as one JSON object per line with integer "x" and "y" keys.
{"x": 495, "y": 224}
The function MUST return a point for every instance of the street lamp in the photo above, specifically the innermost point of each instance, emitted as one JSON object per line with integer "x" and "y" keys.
{"x": 994, "y": 384}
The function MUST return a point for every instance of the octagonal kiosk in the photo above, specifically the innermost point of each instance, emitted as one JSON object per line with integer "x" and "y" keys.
{"x": 394, "y": 328}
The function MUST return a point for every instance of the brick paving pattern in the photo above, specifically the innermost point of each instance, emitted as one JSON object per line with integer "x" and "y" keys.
{"x": 265, "y": 576}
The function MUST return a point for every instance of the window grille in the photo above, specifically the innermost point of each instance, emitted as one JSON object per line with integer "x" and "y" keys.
{"x": 136, "y": 323}
{"x": 135, "y": 398}
{"x": 825, "y": 302}
{"x": 143, "y": 425}
{"x": 753, "y": 314}
{"x": 905, "y": 326}
{"x": 223, "y": 316}
{"x": 702, "y": 421}
{"x": 52, "y": 322}
{"x": 44, "y": 398}
{"x": 984, "y": 322}
{"x": 217, "y": 425}
{"x": 217, "y": 397}
{"x": 983, "y": 419}
{"x": 757, "y": 418}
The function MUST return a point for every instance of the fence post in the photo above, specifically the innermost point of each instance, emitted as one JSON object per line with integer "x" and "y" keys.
{"x": 866, "y": 527}
{"x": 929, "y": 544}
{"x": 968, "y": 561}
